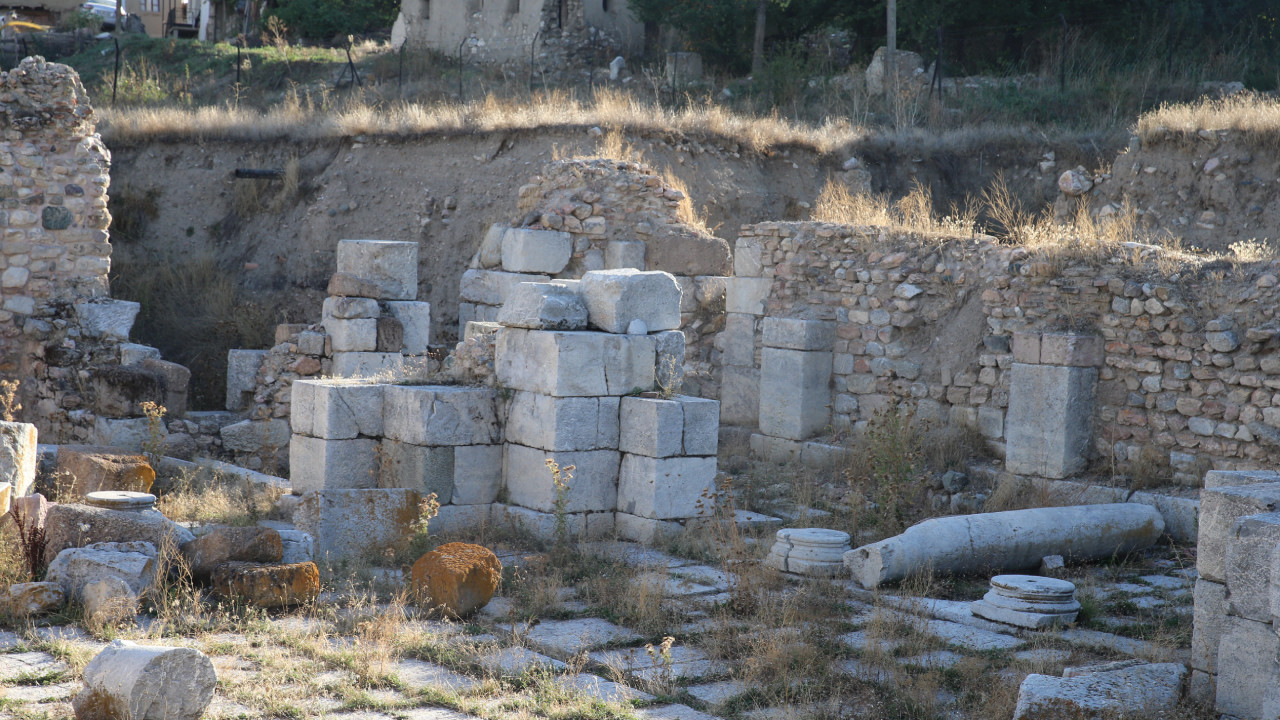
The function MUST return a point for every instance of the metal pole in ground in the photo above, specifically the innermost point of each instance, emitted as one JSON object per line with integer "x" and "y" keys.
{"x": 115, "y": 77}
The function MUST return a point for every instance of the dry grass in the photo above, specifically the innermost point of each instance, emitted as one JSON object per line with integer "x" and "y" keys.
{"x": 913, "y": 212}
{"x": 1252, "y": 117}
{"x": 207, "y": 496}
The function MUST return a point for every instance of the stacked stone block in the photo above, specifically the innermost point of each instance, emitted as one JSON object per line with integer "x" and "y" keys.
{"x": 1235, "y": 650}
{"x": 371, "y": 318}
{"x": 795, "y": 377}
{"x": 1051, "y": 401}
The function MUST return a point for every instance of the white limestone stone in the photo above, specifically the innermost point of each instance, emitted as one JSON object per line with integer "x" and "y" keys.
{"x": 491, "y": 287}
{"x": 1220, "y": 508}
{"x": 19, "y": 451}
{"x": 1237, "y": 478}
{"x": 797, "y": 334}
{"x": 391, "y": 265}
{"x": 359, "y": 335}
{"x": 107, "y": 318}
{"x": 133, "y": 353}
{"x": 563, "y": 423}
{"x": 147, "y": 683}
{"x": 318, "y": 464}
{"x": 619, "y": 254}
{"x": 701, "y": 425}
{"x": 746, "y": 295}
{"x": 1011, "y": 540}
{"x": 666, "y": 488}
{"x": 747, "y": 254}
{"x": 415, "y": 317}
{"x": 109, "y": 600}
{"x": 415, "y": 467}
{"x": 1248, "y": 565}
{"x": 296, "y": 546}
{"x": 476, "y": 328}
{"x": 544, "y": 306}
{"x": 740, "y": 396}
{"x": 1145, "y": 690}
{"x": 584, "y": 525}
{"x": 614, "y": 298}
{"x": 651, "y": 426}
{"x": 1210, "y": 610}
{"x": 349, "y": 308}
{"x": 477, "y": 474}
{"x": 356, "y": 523}
{"x": 1049, "y": 426}
{"x": 440, "y": 415}
{"x": 738, "y": 340}
{"x": 645, "y": 530}
{"x": 816, "y": 552}
{"x": 462, "y": 518}
{"x": 6, "y": 497}
{"x": 251, "y": 436}
{"x": 339, "y": 410}
{"x": 242, "y": 377}
{"x": 1246, "y": 666}
{"x": 593, "y": 488}
{"x": 570, "y": 637}
{"x": 380, "y": 365}
{"x": 669, "y": 366}
{"x": 795, "y": 392}
{"x": 132, "y": 562}
{"x": 1028, "y": 601}
{"x": 538, "y": 251}
{"x": 564, "y": 364}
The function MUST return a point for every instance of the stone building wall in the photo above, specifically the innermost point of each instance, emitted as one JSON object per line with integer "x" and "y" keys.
{"x": 1187, "y": 368}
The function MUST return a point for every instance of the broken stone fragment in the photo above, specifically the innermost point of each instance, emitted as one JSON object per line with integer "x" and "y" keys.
{"x": 109, "y": 601}
{"x": 226, "y": 544}
{"x": 1149, "y": 690}
{"x": 93, "y": 469}
{"x": 33, "y": 598}
{"x": 458, "y": 578}
{"x": 76, "y": 568}
{"x": 268, "y": 586}
{"x": 127, "y": 681}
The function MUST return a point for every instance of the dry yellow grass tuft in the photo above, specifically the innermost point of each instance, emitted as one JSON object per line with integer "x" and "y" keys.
{"x": 1255, "y": 117}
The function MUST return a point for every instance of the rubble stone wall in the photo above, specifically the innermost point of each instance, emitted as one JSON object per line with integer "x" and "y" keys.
{"x": 1189, "y": 366}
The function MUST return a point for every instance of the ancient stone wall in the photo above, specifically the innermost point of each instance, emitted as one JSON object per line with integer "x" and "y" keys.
{"x": 1188, "y": 358}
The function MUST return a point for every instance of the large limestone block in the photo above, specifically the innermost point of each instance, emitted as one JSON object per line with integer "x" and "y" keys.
{"x": 1049, "y": 426}
{"x": 107, "y": 318}
{"x": 544, "y": 306}
{"x": 657, "y": 427}
{"x": 359, "y": 335}
{"x": 109, "y": 600}
{"x": 69, "y": 525}
{"x": 535, "y": 251}
{"x": 563, "y": 423}
{"x": 740, "y": 396}
{"x": 389, "y": 265}
{"x": 440, "y": 415}
{"x": 227, "y": 544}
{"x": 459, "y": 578}
{"x": 1210, "y": 610}
{"x": 6, "y": 497}
{"x": 127, "y": 433}
{"x": 127, "y": 681}
{"x": 1237, "y": 478}
{"x": 92, "y": 469}
{"x": 1012, "y": 540}
{"x": 417, "y": 467}
{"x": 177, "y": 378}
{"x": 594, "y": 525}
{"x": 251, "y": 436}
{"x": 119, "y": 391}
{"x": 267, "y": 585}
{"x": 242, "y": 377}
{"x": 318, "y": 464}
{"x": 357, "y": 523}
{"x": 795, "y": 393}
{"x": 490, "y": 287}
{"x": 666, "y": 488}
{"x": 616, "y": 298}
{"x": 624, "y": 254}
{"x": 349, "y": 308}
{"x": 131, "y": 353}
{"x": 746, "y": 295}
{"x": 701, "y": 425}
{"x": 133, "y": 562}
{"x": 567, "y": 364}
{"x": 1248, "y": 565}
{"x": 1220, "y": 508}
{"x": 1246, "y": 666}
{"x": 336, "y": 410}
{"x": 415, "y": 317}
{"x": 1148, "y": 690}
{"x": 383, "y": 366}
{"x": 797, "y": 334}
{"x": 296, "y": 547}
{"x": 669, "y": 364}
{"x": 18, "y": 455}
{"x": 33, "y": 598}
{"x": 594, "y": 487}
{"x": 477, "y": 474}
{"x": 737, "y": 341}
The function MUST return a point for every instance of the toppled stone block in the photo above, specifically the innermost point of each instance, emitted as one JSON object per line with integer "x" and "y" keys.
{"x": 562, "y": 423}
{"x": 681, "y": 425}
{"x": 797, "y": 334}
{"x": 70, "y": 525}
{"x": 381, "y": 366}
{"x": 92, "y": 469}
{"x": 108, "y": 601}
{"x": 349, "y": 308}
{"x": 458, "y": 578}
{"x": 536, "y": 251}
{"x": 566, "y": 364}
{"x": 252, "y": 436}
{"x": 1220, "y": 508}
{"x": 107, "y": 318}
{"x": 33, "y": 598}
{"x": 1148, "y": 690}
{"x": 544, "y": 306}
{"x": 1246, "y": 666}
{"x": 490, "y": 287}
{"x": 667, "y": 488}
{"x": 615, "y": 298}
{"x": 415, "y": 319}
{"x": 18, "y": 454}
{"x": 127, "y": 681}
{"x": 132, "y": 562}
{"x": 336, "y": 410}
{"x": 391, "y": 266}
{"x": 1049, "y": 427}
{"x": 432, "y": 415}
{"x": 1247, "y": 563}
{"x": 594, "y": 487}
{"x": 357, "y": 523}
{"x": 318, "y": 464}
{"x": 228, "y": 544}
{"x": 795, "y": 392}
{"x": 267, "y": 585}
{"x": 242, "y": 377}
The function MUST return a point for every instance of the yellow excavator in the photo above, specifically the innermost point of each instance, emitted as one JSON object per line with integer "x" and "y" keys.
{"x": 11, "y": 22}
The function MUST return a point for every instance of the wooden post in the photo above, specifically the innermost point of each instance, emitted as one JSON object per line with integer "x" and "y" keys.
{"x": 891, "y": 49}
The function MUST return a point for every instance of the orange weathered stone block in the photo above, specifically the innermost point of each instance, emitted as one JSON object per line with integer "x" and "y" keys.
{"x": 92, "y": 469}
{"x": 267, "y": 585}
{"x": 460, "y": 578}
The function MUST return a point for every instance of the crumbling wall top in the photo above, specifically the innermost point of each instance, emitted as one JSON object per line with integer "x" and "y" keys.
{"x": 40, "y": 95}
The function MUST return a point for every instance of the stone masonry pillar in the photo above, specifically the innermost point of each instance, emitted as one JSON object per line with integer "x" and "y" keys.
{"x": 1049, "y": 427}
{"x": 795, "y": 377}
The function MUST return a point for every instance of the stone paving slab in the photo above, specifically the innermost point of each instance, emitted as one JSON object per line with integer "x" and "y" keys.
{"x": 29, "y": 664}
{"x": 41, "y": 693}
{"x": 637, "y": 658}
{"x": 432, "y": 714}
{"x": 1166, "y": 582}
{"x": 1107, "y": 641}
{"x": 419, "y": 675}
{"x": 1046, "y": 656}
{"x": 705, "y": 575}
{"x": 634, "y": 555}
{"x": 862, "y": 640}
{"x": 970, "y": 638}
{"x": 9, "y": 641}
{"x": 359, "y": 715}
{"x": 680, "y": 587}
{"x": 672, "y": 712}
{"x": 515, "y": 660}
{"x": 717, "y": 693}
{"x": 569, "y": 637}
{"x": 601, "y": 689}
{"x": 864, "y": 671}
{"x": 938, "y": 659}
